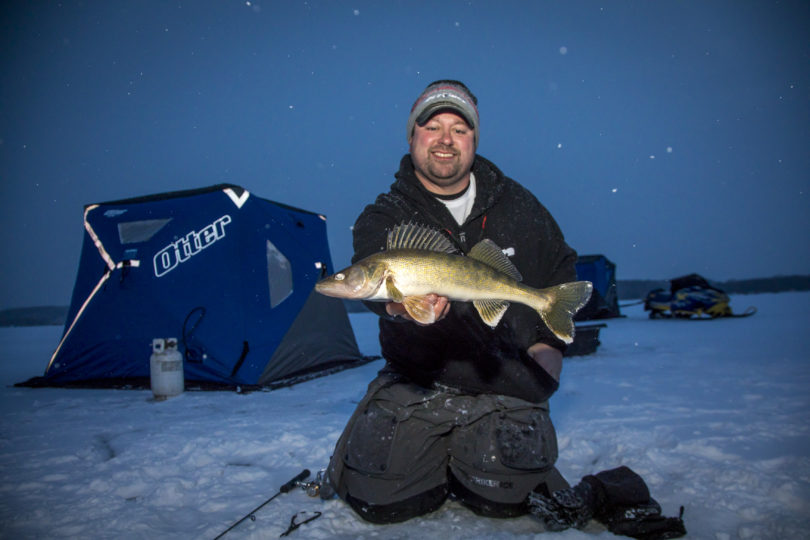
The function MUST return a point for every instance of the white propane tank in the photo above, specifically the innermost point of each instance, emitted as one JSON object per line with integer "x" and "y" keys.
{"x": 166, "y": 368}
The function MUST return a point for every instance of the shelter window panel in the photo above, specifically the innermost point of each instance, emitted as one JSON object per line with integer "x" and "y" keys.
{"x": 133, "y": 232}
{"x": 279, "y": 275}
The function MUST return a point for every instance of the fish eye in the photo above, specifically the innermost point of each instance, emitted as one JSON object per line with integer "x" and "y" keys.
{"x": 340, "y": 276}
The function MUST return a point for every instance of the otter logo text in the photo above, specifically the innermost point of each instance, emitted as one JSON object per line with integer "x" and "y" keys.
{"x": 179, "y": 251}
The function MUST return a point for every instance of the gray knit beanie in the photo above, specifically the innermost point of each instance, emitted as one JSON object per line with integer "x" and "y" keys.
{"x": 445, "y": 95}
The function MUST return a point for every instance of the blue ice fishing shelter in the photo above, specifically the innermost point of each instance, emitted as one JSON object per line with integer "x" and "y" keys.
{"x": 604, "y": 301}
{"x": 227, "y": 273}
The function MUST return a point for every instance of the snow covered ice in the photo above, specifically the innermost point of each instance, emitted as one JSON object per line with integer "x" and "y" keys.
{"x": 714, "y": 415}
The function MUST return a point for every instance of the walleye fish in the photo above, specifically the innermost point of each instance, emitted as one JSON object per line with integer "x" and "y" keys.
{"x": 419, "y": 261}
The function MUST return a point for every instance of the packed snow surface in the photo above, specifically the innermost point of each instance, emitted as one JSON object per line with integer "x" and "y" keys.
{"x": 713, "y": 414}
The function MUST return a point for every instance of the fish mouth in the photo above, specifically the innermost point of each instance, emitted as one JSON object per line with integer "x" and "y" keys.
{"x": 325, "y": 285}
{"x": 335, "y": 288}
{"x": 327, "y": 289}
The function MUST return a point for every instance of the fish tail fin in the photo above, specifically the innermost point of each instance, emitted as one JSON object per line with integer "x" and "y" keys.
{"x": 563, "y": 302}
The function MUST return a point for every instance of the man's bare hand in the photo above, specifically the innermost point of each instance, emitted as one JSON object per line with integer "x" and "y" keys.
{"x": 440, "y": 305}
{"x": 548, "y": 358}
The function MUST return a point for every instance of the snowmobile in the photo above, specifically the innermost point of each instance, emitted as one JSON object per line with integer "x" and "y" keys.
{"x": 691, "y": 297}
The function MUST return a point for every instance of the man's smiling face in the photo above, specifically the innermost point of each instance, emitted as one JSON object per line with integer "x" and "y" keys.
{"x": 443, "y": 150}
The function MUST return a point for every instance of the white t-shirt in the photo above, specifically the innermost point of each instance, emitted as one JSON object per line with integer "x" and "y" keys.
{"x": 461, "y": 206}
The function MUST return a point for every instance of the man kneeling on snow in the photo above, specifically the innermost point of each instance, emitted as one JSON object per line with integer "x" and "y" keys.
{"x": 461, "y": 409}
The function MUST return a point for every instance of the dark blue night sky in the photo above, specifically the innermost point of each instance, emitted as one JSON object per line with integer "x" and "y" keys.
{"x": 673, "y": 137}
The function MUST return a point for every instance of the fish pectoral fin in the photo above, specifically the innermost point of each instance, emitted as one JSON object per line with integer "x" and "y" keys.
{"x": 491, "y": 311}
{"x": 420, "y": 309}
{"x": 393, "y": 293}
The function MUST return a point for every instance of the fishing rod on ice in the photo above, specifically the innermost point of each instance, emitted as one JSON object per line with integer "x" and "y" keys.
{"x": 295, "y": 481}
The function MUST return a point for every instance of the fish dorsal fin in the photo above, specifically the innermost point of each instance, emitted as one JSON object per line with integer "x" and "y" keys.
{"x": 488, "y": 252}
{"x": 412, "y": 236}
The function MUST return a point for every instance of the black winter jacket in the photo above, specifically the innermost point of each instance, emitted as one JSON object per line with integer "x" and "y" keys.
{"x": 461, "y": 351}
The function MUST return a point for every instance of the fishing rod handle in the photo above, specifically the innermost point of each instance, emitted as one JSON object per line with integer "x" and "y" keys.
{"x": 291, "y": 484}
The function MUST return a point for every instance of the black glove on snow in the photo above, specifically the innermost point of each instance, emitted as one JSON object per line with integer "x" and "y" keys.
{"x": 623, "y": 504}
{"x": 562, "y": 509}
